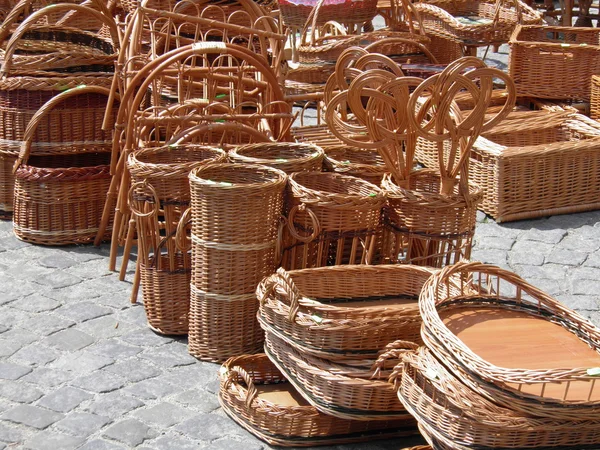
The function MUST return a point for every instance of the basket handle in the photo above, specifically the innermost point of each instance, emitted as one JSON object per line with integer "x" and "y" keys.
{"x": 44, "y": 111}
{"x": 251, "y": 391}
{"x": 182, "y": 242}
{"x": 145, "y": 185}
{"x": 314, "y": 219}
{"x": 11, "y": 46}
{"x": 283, "y": 280}
{"x": 394, "y": 350}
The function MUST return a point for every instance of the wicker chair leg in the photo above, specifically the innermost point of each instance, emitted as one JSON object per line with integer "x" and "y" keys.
{"x": 136, "y": 283}
{"x": 127, "y": 249}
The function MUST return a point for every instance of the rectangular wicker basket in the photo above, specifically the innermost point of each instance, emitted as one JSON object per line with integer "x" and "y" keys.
{"x": 535, "y": 164}
{"x": 541, "y": 57}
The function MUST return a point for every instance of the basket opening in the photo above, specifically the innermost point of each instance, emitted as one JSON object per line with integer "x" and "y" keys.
{"x": 237, "y": 175}
{"x": 534, "y": 136}
{"x": 70, "y": 161}
{"x": 279, "y": 152}
{"x": 177, "y": 155}
{"x": 335, "y": 185}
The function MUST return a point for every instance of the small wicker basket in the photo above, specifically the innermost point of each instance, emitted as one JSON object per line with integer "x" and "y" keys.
{"x": 360, "y": 163}
{"x": 286, "y": 156}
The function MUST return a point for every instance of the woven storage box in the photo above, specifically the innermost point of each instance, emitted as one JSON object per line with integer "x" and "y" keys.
{"x": 236, "y": 210}
{"x": 506, "y": 353}
{"x": 442, "y": 403}
{"x": 332, "y": 219}
{"x": 258, "y": 397}
{"x": 341, "y": 391}
{"x": 343, "y": 313}
{"x": 595, "y": 98}
{"x": 425, "y": 227}
{"x": 286, "y": 156}
{"x": 535, "y": 164}
{"x": 365, "y": 164}
{"x": 59, "y": 197}
{"x": 475, "y": 22}
{"x": 540, "y": 56}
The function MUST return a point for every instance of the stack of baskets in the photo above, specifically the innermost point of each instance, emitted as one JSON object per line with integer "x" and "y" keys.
{"x": 504, "y": 365}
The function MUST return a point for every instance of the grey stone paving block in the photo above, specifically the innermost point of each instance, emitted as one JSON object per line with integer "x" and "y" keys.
{"x": 45, "y": 324}
{"x": 163, "y": 415}
{"x": 525, "y": 258}
{"x": 70, "y": 340}
{"x": 80, "y": 312}
{"x": 99, "y": 382}
{"x": 57, "y": 261}
{"x": 488, "y": 256}
{"x": 579, "y": 302}
{"x": 151, "y": 389}
{"x": 554, "y": 271}
{"x": 109, "y": 284}
{"x": 101, "y": 444}
{"x": 114, "y": 349}
{"x": 106, "y": 327}
{"x": 90, "y": 269}
{"x": 82, "y": 424}
{"x": 49, "y": 440}
{"x": 13, "y": 288}
{"x": 230, "y": 444}
{"x": 494, "y": 243}
{"x": 494, "y": 229}
{"x": 172, "y": 355}
{"x": 549, "y": 236}
{"x": 10, "y": 371}
{"x": 130, "y": 431}
{"x": 36, "y": 303}
{"x": 114, "y": 404}
{"x": 12, "y": 243}
{"x": 145, "y": 338}
{"x": 73, "y": 293}
{"x": 10, "y": 434}
{"x": 116, "y": 300}
{"x": 20, "y": 335}
{"x": 134, "y": 370}
{"x": 88, "y": 253}
{"x": 580, "y": 243}
{"x": 198, "y": 400}
{"x": 19, "y": 392}
{"x": 47, "y": 378}
{"x": 8, "y": 347}
{"x": 208, "y": 427}
{"x": 28, "y": 271}
{"x": 134, "y": 314}
{"x": 584, "y": 287}
{"x": 593, "y": 260}
{"x": 4, "y": 328}
{"x": 58, "y": 279}
{"x": 535, "y": 247}
{"x": 32, "y": 416}
{"x": 212, "y": 386}
{"x": 82, "y": 362}
{"x": 187, "y": 377}
{"x": 64, "y": 399}
{"x": 566, "y": 257}
{"x": 585, "y": 273}
{"x": 174, "y": 442}
{"x": 35, "y": 355}
{"x": 549, "y": 286}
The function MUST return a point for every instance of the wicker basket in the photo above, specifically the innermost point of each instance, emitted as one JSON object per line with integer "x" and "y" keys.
{"x": 257, "y": 396}
{"x": 286, "y": 156}
{"x": 535, "y": 164}
{"x": 236, "y": 210}
{"x": 338, "y": 390}
{"x": 442, "y": 403}
{"x": 520, "y": 373}
{"x": 343, "y": 313}
{"x": 540, "y": 56}
{"x": 595, "y": 98}
{"x": 365, "y": 164}
{"x": 475, "y": 22}
{"x": 296, "y": 14}
{"x": 59, "y": 198}
{"x": 425, "y": 227}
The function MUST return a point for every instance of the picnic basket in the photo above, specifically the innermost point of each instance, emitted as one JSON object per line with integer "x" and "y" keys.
{"x": 343, "y": 313}
{"x": 286, "y": 156}
{"x": 255, "y": 394}
{"x": 236, "y": 210}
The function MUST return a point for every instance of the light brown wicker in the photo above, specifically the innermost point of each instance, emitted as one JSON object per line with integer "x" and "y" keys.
{"x": 490, "y": 295}
{"x": 338, "y": 390}
{"x": 475, "y": 22}
{"x": 296, "y": 14}
{"x": 541, "y": 55}
{"x": 236, "y": 210}
{"x": 59, "y": 197}
{"x": 332, "y": 219}
{"x": 343, "y": 313}
{"x": 258, "y": 397}
{"x": 439, "y": 401}
{"x": 286, "y": 156}
{"x": 365, "y": 164}
{"x": 595, "y": 98}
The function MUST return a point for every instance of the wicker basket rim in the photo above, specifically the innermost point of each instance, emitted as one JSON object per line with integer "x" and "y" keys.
{"x": 271, "y": 176}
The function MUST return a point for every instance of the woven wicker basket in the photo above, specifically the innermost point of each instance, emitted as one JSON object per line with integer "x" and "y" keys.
{"x": 236, "y": 210}
{"x": 425, "y": 227}
{"x": 365, "y": 164}
{"x": 475, "y": 22}
{"x": 332, "y": 219}
{"x": 295, "y": 14}
{"x": 540, "y": 56}
{"x": 343, "y": 313}
{"x": 442, "y": 403}
{"x": 286, "y": 156}
{"x": 338, "y": 390}
{"x": 595, "y": 98}
{"x": 257, "y": 396}
{"x": 59, "y": 198}
{"x": 491, "y": 295}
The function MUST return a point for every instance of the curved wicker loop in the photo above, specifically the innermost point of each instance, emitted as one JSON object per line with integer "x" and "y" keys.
{"x": 251, "y": 391}
{"x": 346, "y": 60}
{"x": 44, "y": 111}
{"x": 394, "y": 351}
{"x": 314, "y": 219}
{"x": 282, "y": 280}
{"x": 365, "y": 85}
{"x": 143, "y": 185}
{"x": 182, "y": 242}
{"x": 11, "y": 46}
